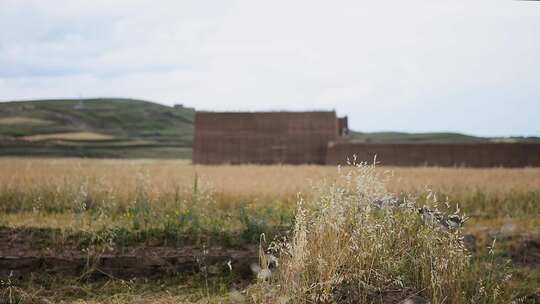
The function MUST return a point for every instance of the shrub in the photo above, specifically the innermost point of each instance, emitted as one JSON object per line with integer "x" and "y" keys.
{"x": 353, "y": 242}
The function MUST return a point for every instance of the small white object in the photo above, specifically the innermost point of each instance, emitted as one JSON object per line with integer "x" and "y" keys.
{"x": 264, "y": 275}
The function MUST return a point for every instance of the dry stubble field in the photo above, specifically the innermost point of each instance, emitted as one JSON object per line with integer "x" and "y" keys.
{"x": 60, "y": 207}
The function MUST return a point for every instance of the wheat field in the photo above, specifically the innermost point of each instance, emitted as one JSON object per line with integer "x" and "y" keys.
{"x": 252, "y": 179}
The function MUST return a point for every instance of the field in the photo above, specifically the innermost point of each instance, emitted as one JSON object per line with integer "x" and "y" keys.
{"x": 196, "y": 217}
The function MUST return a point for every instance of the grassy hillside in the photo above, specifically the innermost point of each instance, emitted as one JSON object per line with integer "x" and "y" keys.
{"x": 400, "y": 137}
{"x": 108, "y": 127}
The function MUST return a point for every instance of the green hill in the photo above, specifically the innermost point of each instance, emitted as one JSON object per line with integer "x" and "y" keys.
{"x": 399, "y": 137}
{"x": 130, "y": 128}
{"x": 104, "y": 127}
{"x": 445, "y": 137}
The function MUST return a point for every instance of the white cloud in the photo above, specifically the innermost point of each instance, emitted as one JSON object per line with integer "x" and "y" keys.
{"x": 417, "y": 65}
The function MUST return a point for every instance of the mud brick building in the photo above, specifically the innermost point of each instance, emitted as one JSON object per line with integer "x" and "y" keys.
{"x": 480, "y": 155}
{"x": 319, "y": 138}
{"x": 265, "y": 137}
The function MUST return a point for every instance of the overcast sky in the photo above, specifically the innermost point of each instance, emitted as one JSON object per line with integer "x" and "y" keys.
{"x": 469, "y": 66}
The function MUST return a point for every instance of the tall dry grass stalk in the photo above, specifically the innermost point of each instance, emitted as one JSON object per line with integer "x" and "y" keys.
{"x": 354, "y": 242}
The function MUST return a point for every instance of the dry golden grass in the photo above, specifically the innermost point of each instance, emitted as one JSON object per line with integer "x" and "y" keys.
{"x": 69, "y": 136}
{"x": 20, "y": 120}
{"x": 353, "y": 242}
{"x": 164, "y": 175}
{"x": 56, "y": 184}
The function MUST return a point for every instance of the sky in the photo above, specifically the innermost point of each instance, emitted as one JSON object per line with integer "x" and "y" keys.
{"x": 469, "y": 66}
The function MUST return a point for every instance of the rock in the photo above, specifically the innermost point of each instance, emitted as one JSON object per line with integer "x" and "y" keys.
{"x": 453, "y": 221}
{"x": 433, "y": 217}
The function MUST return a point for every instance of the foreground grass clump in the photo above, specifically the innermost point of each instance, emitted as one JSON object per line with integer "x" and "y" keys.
{"x": 353, "y": 242}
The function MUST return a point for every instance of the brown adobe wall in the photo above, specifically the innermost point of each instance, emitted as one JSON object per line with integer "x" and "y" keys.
{"x": 343, "y": 126}
{"x": 444, "y": 155}
{"x": 263, "y": 137}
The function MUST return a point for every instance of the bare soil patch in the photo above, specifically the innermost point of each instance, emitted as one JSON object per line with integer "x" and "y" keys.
{"x": 526, "y": 253}
{"x": 27, "y": 251}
